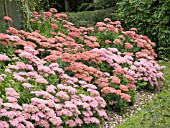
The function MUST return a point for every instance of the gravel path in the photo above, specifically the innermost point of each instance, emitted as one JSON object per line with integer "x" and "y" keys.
{"x": 142, "y": 97}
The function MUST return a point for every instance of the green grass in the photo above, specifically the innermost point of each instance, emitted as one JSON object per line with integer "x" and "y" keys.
{"x": 156, "y": 114}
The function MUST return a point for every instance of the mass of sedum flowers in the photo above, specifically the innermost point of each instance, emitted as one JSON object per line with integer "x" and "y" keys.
{"x": 61, "y": 76}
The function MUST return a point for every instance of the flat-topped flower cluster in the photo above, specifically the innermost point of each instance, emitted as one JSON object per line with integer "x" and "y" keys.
{"x": 62, "y": 76}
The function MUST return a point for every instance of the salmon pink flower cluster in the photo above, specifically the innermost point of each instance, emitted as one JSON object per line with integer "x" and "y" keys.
{"x": 61, "y": 76}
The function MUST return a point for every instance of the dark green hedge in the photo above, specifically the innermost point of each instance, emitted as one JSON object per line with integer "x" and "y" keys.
{"x": 89, "y": 18}
{"x": 151, "y": 18}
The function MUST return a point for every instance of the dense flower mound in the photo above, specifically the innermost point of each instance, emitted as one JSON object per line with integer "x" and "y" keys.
{"x": 58, "y": 75}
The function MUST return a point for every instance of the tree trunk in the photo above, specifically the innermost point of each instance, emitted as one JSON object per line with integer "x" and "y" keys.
{"x": 67, "y": 5}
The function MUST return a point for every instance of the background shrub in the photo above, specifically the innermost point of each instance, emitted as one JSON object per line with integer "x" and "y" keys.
{"x": 89, "y": 18}
{"x": 151, "y": 18}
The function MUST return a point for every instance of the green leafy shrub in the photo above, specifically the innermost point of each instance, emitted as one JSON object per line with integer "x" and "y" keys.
{"x": 89, "y": 18}
{"x": 151, "y": 18}
{"x": 102, "y": 4}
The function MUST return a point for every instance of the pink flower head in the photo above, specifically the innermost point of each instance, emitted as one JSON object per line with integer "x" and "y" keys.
{"x": 95, "y": 120}
{"x": 27, "y": 85}
{"x": 70, "y": 123}
{"x": 41, "y": 81}
{"x": 123, "y": 88}
{"x": 4, "y": 124}
{"x": 11, "y": 99}
{"x": 35, "y": 14}
{"x": 48, "y": 14}
{"x": 78, "y": 121}
{"x": 1, "y": 78}
{"x": 53, "y": 10}
{"x": 11, "y": 92}
{"x": 117, "y": 41}
{"x": 115, "y": 80}
{"x": 133, "y": 29}
{"x": 7, "y": 18}
{"x": 71, "y": 90}
{"x": 54, "y": 26}
{"x": 4, "y": 58}
{"x": 101, "y": 28}
{"x": 100, "y": 24}
{"x": 63, "y": 95}
{"x": 126, "y": 97}
{"x": 128, "y": 46}
{"x": 107, "y": 20}
{"x": 131, "y": 86}
{"x": 51, "y": 89}
{"x": 107, "y": 41}
{"x": 113, "y": 49}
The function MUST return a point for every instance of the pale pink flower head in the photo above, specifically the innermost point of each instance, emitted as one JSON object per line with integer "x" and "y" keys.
{"x": 71, "y": 90}
{"x": 78, "y": 121}
{"x": 4, "y": 58}
{"x": 51, "y": 88}
{"x": 7, "y": 18}
{"x": 87, "y": 120}
{"x": 27, "y": 85}
{"x": 82, "y": 82}
{"x": 63, "y": 95}
{"x": 1, "y": 78}
{"x": 95, "y": 120}
{"x": 70, "y": 123}
{"x": 11, "y": 92}
{"x": 20, "y": 65}
{"x": 102, "y": 113}
{"x": 113, "y": 49}
{"x": 11, "y": 99}
{"x": 41, "y": 81}
{"x": 4, "y": 124}
{"x": 67, "y": 112}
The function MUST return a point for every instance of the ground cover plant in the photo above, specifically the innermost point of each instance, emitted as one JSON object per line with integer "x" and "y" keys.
{"x": 57, "y": 75}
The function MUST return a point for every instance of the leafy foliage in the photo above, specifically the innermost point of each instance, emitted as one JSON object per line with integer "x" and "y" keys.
{"x": 151, "y": 18}
{"x": 102, "y": 4}
{"x": 89, "y": 18}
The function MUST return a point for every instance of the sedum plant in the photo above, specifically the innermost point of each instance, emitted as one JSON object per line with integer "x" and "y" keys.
{"x": 62, "y": 76}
